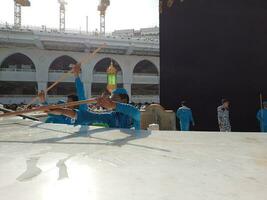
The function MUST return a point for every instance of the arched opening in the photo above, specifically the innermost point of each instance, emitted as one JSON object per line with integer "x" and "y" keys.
{"x": 62, "y": 64}
{"x": 102, "y": 66}
{"x": 62, "y": 89}
{"x": 18, "y": 88}
{"x": 17, "y": 92}
{"x": 100, "y": 76}
{"x": 145, "y": 87}
{"x": 145, "y": 67}
{"x": 17, "y": 62}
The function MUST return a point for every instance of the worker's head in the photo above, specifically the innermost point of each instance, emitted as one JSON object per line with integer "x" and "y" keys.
{"x": 183, "y": 103}
{"x": 225, "y": 103}
{"x": 71, "y": 98}
{"x": 61, "y": 102}
{"x": 120, "y": 95}
{"x": 105, "y": 93}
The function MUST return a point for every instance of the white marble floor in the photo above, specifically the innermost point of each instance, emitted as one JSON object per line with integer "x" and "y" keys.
{"x": 60, "y": 162}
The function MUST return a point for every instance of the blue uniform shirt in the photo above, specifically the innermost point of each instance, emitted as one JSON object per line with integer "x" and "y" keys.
{"x": 61, "y": 119}
{"x": 120, "y": 118}
{"x": 262, "y": 117}
{"x": 58, "y": 119}
{"x": 184, "y": 114}
{"x": 80, "y": 93}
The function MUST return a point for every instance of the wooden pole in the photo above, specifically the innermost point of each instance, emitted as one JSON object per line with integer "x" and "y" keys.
{"x": 83, "y": 61}
{"x": 86, "y": 59}
{"x": 50, "y": 107}
{"x": 23, "y": 116}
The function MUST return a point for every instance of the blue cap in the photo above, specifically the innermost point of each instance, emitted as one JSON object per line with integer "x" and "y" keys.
{"x": 119, "y": 91}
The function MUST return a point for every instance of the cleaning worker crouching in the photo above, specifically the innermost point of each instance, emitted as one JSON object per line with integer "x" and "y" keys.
{"x": 123, "y": 115}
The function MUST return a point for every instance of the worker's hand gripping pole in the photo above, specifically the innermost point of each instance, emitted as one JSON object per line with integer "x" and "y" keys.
{"x": 50, "y": 107}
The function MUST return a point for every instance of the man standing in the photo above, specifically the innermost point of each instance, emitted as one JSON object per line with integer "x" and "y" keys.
{"x": 184, "y": 114}
{"x": 262, "y": 117}
{"x": 223, "y": 116}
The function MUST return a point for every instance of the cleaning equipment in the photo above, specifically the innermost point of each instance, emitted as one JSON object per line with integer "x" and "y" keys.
{"x": 50, "y": 107}
{"x": 23, "y": 116}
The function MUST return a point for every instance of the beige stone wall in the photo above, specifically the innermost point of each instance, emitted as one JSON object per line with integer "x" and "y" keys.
{"x": 156, "y": 114}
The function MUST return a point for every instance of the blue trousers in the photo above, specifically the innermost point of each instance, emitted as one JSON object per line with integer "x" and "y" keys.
{"x": 185, "y": 126}
{"x": 264, "y": 128}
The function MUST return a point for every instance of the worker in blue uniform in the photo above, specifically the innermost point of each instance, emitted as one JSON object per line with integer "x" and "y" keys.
{"x": 184, "y": 114}
{"x": 123, "y": 115}
{"x": 262, "y": 117}
{"x": 61, "y": 119}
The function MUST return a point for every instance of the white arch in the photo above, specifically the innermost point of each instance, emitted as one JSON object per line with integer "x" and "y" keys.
{"x": 51, "y": 62}
{"x": 14, "y": 53}
{"x": 152, "y": 62}
{"x": 107, "y": 66}
{"x": 102, "y": 57}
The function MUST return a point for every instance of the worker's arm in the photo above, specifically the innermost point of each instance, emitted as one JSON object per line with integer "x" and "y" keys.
{"x": 132, "y": 112}
{"x": 126, "y": 109}
{"x": 259, "y": 115}
{"x": 83, "y": 117}
{"x": 88, "y": 118}
{"x": 76, "y": 69}
{"x": 63, "y": 111}
{"x": 191, "y": 118}
{"x": 220, "y": 116}
{"x": 51, "y": 118}
{"x": 178, "y": 113}
{"x": 80, "y": 93}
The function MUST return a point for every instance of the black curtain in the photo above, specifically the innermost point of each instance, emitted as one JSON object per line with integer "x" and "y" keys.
{"x": 213, "y": 49}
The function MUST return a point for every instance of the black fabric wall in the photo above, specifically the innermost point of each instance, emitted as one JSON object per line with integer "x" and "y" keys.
{"x": 212, "y": 49}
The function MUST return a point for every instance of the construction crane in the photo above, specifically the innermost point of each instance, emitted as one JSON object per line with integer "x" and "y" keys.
{"x": 102, "y": 7}
{"x": 17, "y": 11}
{"x": 62, "y": 15}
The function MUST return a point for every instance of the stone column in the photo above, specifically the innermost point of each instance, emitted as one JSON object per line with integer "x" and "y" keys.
{"x": 87, "y": 89}
{"x": 127, "y": 86}
{"x": 87, "y": 79}
{"x": 42, "y": 85}
{"x": 42, "y": 72}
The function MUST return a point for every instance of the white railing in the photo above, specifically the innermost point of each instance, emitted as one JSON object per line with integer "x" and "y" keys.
{"x": 49, "y": 30}
{"x": 104, "y": 73}
{"x": 58, "y": 71}
{"x": 17, "y": 95}
{"x": 145, "y": 74}
{"x": 145, "y": 98}
{"x": 17, "y": 70}
{"x": 135, "y": 74}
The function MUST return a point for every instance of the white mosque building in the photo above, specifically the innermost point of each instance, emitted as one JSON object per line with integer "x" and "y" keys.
{"x": 31, "y": 59}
